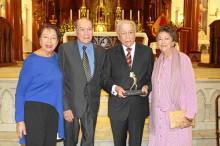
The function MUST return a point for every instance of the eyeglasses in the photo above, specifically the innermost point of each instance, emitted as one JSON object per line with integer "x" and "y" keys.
{"x": 124, "y": 33}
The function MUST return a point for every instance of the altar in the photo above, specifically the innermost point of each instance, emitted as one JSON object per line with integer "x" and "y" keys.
{"x": 106, "y": 39}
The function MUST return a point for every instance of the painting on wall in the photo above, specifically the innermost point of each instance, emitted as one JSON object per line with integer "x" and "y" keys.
{"x": 2, "y": 8}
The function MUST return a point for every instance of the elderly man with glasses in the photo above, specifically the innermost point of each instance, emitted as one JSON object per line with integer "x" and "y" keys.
{"x": 127, "y": 64}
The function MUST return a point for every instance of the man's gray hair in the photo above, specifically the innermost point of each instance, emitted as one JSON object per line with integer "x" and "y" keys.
{"x": 125, "y": 22}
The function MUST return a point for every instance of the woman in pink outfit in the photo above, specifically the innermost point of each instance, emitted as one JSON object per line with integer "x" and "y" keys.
{"x": 173, "y": 89}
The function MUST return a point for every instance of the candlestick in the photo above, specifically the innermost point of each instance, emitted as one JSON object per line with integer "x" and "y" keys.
{"x": 0, "y": 10}
{"x": 79, "y": 13}
{"x": 122, "y": 15}
{"x": 88, "y": 13}
{"x": 130, "y": 14}
{"x": 71, "y": 14}
{"x": 138, "y": 15}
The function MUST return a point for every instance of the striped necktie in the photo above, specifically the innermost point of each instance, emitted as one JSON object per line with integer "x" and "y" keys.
{"x": 86, "y": 65}
{"x": 128, "y": 57}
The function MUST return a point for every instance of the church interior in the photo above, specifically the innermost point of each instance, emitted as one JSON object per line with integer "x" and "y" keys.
{"x": 196, "y": 23}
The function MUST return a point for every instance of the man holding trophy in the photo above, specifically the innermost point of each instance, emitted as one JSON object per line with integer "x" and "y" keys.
{"x": 126, "y": 77}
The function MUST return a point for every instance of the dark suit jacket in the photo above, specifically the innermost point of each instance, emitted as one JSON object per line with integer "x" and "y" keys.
{"x": 76, "y": 91}
{"x": 116, "y": 71}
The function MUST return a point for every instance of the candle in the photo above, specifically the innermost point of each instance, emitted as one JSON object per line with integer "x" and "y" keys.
{"x": 71, "y": 14}
{"x": 88, "y": 13}
{"x": 138, "y": 15}
{"x": 0, "y": 10}
{"x": 122, "y": 15}
{"x": 130, "y": 14}
{"x": 79, "y": 13}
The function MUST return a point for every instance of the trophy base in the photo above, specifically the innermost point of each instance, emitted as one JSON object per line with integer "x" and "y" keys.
{"x": 133, "y": 93}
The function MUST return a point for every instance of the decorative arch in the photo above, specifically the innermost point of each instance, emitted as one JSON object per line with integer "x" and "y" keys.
{"x": 7, "y": 110}
{"x": 201, "y": 97}
{"x": 214, "y": 94}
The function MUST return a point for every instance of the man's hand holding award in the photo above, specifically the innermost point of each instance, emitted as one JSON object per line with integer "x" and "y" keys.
{"x": 133, "y": 92}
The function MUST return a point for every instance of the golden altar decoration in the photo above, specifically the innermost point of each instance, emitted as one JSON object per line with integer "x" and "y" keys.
{"x": 118, "y": 14}
{"x": 53, "y": 18}
{"x": 83, "y": 9}
{"x": 101, "y": 18}
{"x": 100, "y": 21}
{"x": 44, "y": 11}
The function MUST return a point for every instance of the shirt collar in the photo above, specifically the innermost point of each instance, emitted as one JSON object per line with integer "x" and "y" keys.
{"x": 88, "y": 46}
{"x": 132, "y": 47}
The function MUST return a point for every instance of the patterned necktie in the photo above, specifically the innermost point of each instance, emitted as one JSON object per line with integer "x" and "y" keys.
{"x": 86, "y": 65}
{"x": 128, "y": 57}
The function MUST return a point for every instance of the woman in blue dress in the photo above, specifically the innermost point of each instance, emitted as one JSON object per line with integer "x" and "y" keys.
{"x": 38, "y": 98}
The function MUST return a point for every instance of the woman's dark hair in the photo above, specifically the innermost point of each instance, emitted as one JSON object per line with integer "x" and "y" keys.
{"x": 169, "y": 30}
{"x": 49, "y": 26}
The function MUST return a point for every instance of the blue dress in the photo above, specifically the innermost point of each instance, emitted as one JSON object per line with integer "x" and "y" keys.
{"x": 40, "y": 80}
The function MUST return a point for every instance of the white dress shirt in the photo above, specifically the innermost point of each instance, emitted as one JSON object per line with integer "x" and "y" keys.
{"x": 132, "y": 57}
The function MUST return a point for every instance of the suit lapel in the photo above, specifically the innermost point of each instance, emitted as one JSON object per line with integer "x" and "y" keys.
{"x": 96, "y": 52}
{"x": 77, "y": 59}
{"x": 137, "y": 53}
{"x": 121, "y": 55}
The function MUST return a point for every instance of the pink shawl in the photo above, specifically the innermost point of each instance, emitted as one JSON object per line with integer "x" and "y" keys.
{"x": 175, "y": 87}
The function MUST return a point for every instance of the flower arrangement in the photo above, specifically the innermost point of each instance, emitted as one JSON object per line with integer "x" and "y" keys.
{"x": 67, "y": 26}
{"x": 139, "y": 27}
